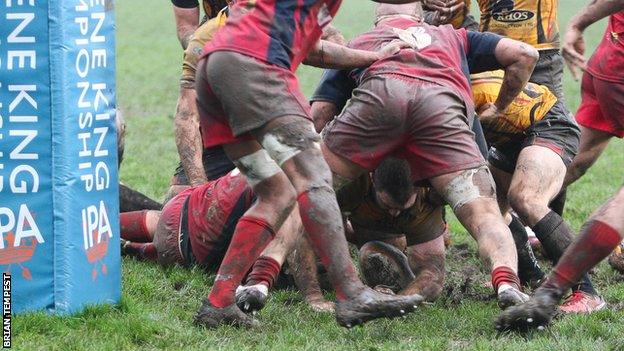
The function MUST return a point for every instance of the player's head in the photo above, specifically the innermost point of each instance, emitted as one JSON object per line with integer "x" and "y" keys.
{"x": 413, "y": 9}
{"x": 394, "y": 189}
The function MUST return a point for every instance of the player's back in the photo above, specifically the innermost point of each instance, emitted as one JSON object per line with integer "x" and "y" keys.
{"x": 279, "y": 32}
{"x": 437, "y": 54}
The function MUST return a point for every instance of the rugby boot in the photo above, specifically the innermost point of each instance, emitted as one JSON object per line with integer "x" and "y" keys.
{"x": 385, "y": 265}
{"x": 616, "y": 258}
{"x": 251, "y": 298}
{"x": 536, "y": 313}
{"x": 210, "y": 316}
{"x": 510, "y": 297}
{"x": 582, "y": 302}
{"x": 369, "y": 304}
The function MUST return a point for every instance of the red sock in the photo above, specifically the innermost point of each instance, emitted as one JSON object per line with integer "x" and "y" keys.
{"x": 596, "y": 241}
{"x": 134, "y": 227}
{"x": 251, "y": 236}
{"x": 144, "y": 251}
{"x": 264, "y": 271}
{"x": 504, "y": 275}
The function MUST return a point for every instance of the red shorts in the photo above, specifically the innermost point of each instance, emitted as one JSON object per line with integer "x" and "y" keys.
{"x": 167, "y": 238}
{"x": 237, "y": 94}
{"x": 425, "y": 123}
{"x": 602, "y": 105}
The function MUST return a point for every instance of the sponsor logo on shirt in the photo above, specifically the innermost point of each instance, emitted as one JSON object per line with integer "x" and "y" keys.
{"x": 513, "y": 16}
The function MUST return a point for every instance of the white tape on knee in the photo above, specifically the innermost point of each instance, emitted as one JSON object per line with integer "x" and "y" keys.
{"x": 257, "y": 167}
{"x": 279, "y": 151}
{"x": 462, "y": 189}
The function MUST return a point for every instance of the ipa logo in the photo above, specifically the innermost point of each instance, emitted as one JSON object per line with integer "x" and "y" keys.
{"x": 20, "y": 237}
{"x": 96, "y": 234}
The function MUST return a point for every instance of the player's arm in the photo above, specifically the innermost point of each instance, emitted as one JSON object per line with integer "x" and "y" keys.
{"x": 573, "y": 48}
{"x": 442, "y": 11}
{"x": 188, "y": 138}
{"x": 332, "y": 34}
{"x": 326, "y": 54}
{"x": 186, "y": 13}
{"x": 330, "y": 97}
{"x": 486, "y": 52}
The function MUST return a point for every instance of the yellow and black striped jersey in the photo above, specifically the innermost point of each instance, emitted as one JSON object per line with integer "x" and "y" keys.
{"x": 531, "y": 21}
{"x": 530, "y": 106}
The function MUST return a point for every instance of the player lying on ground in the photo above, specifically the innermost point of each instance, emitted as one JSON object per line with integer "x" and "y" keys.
{"x": 532, "y": 142}
{"x": 197, "y": 164}
{"x": 196, "y": 227}
{"x": 398, "y": 228}
{"x": 417, "y": 105}
{"x": 605, "y": 229}
{"x": 265, "y": 129}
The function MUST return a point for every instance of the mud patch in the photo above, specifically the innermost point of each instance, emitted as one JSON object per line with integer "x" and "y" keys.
{"x": 465, "y": 278}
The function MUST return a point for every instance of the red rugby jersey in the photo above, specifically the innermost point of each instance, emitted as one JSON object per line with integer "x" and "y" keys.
{"x": 213, "y": 211}
{"x": 438, "y": 54}
{"x": 607, "y": 62}
{"x": 279, "y": 32}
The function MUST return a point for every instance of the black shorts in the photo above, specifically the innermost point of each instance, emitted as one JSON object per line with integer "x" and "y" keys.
{"x": 216, "y": 165}
{"x": 549, "y": 72}
{"x": 557, "y": 131}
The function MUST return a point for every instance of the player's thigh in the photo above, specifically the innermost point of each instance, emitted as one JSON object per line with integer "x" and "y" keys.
{"x": 539, "y": 174}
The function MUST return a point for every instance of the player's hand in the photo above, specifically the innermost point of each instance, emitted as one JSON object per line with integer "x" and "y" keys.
{"x": 573, "y": 50}
{"x": 318, "y": 304}
{"x": 392, "y": 48}
{"x": 488, "y": 112}
{"x": 446, "y": 9}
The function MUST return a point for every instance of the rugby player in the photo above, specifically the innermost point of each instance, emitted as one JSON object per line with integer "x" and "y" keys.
{"x": 197, "y": 164}
{"x": 265, "y": 130}
{"x": 417, "y": 104}
{"x": 605, "y": 228}
{"x": 187, "y": 15}
{"x": 601, "y": 113}
{"x": 535, "y": 22}
{"x": 398, "y": 228}
{"x": 531, "y": 145}
{"x": 195, "y": 228}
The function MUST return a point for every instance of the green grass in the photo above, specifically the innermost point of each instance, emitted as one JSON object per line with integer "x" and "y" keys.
{"x": 158, "y": 304}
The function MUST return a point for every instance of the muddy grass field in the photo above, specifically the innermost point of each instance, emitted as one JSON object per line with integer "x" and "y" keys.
{"x": 158, "y": 304}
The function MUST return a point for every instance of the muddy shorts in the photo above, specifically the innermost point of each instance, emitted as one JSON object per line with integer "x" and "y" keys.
{"x": 172, "y": 237}
{"x": 549, "y": 72}
{"x": 557, "y": 131}
{"x": 237, "y": 94}
{"x": 216, "y": 164}
{"x": 425, "y": 123}
{"x": 602, "y": 105}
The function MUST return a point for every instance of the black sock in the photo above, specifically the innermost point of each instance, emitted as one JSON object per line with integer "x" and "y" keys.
{"x": 555, "y": 236}
{"x": 558, "y": 203}
{"x": 528, "y": 267}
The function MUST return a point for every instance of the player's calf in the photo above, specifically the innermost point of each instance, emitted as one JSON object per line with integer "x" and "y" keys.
{"x": 472, "y": 195}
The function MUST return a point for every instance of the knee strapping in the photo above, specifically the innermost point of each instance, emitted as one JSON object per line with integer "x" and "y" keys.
{"x": 470, "y": 185}
{"x": 257, "y": 167}
{"x": 286, "y": 141}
